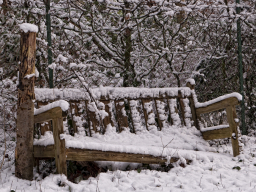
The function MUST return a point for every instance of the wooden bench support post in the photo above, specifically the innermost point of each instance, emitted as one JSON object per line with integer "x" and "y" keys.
{"x": 59, "y": 146}
{"x": 231, "y": 114}
{"x": 25, "y": 112}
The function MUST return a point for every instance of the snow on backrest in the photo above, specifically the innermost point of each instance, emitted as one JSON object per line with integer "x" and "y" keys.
{"x": 161, "y": 107}
{"x": 113, "y": 93}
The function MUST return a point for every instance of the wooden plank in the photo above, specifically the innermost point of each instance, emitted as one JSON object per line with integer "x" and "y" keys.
{"x": 73, "y": 111}
{"x": 132, "y": 118}
{"x": 59, "y": 146}
{"x": 148, "y": 113}
{"x": 44, "y": 152}
{"x": 232, "y": 101}
{"x": 188, "y": 121}
{"x": 46, "y": 126}
{"x": 182, "y": 108}
{"x": 231, "y": 115}
{"x": 193, "y": 112}
{"x": 49, "y": 115}
{"x": 94, "y": 121}
{"x": 217, "y": 134}
{"x": 159, "y": 113}
{"x": 174, "y": 113}
{"x": 94, "y": 155}
{"x": 107, "y": 120}
{"x": 121, "y": 116}
{"x": 88, "y": 118}
{"x": 192, "y": 105}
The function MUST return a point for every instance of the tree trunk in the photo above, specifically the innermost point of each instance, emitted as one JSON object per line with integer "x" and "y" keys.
{"x": 25, "y": 111}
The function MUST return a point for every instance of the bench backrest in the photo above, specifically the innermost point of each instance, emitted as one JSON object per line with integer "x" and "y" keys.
{"x": 136, "y": 109}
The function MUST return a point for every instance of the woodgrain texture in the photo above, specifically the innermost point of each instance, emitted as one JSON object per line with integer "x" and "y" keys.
{"x": 94, "y": 155}
{"x": 25, "y": 108}
{"x": 49, "y": 115}
{"x": 44, "y": 152}
{"x": 59, "y": 146}
{"x": 146, "y": 112}
{"x": 217, "y": 134}
{"x": 107, "y": 120}
{"x": 46, "y": 126}
{"x": 232, "y": 101}
{"x": 231, "y": 115}
{"x": 121, "y": 116}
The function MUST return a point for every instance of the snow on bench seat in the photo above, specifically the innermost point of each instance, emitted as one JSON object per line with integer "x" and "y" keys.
{"x": 168, "y": 142}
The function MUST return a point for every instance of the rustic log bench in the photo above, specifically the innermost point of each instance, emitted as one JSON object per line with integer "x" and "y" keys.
{"x": 122, "y": 108}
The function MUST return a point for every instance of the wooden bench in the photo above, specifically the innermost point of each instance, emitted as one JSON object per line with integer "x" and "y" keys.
{"x": 160, "y": 107}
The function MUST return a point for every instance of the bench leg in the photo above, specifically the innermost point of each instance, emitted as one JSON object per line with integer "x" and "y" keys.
{"x": 231, "y": 114}
{"x": 59, "y": 146}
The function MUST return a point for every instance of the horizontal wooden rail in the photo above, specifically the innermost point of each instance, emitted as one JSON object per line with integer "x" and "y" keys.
{"x": 223, "y": 104}
{"x": 74, "y": 154}
{"x": 217, "y": 133}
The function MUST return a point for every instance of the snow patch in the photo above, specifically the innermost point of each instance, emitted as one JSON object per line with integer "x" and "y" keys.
{"x": 191, "y": 81}
{"x": 28, "y": 27}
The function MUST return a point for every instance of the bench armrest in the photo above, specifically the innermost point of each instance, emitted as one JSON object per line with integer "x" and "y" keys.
{"x": 52, "y": 110}
{"x": 221, "y": 102}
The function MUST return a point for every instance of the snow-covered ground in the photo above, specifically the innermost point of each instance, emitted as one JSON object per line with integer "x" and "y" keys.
{"x": 219, "y": 171}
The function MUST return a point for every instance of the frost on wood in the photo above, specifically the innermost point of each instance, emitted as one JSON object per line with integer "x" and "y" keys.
{"x": 28, "y": 27}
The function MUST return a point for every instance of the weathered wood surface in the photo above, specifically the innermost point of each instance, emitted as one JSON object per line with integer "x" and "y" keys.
{"x": 94, "y": 155}
{"x": 147, "y": 113}
{"x": 174, "y": 113}
{"x": 94, "y": 120}
{"x": 46, "y": 126}
{"x": 182, "y": 108}
{"x": 49, "y": 115}
{"x": 25, "y": 108}
{"x": 193, "y": 113}
{"x": 231, "y": 115}
{"x": 73, "y": 112}
{"x": 121, "y": 116}
{"x": 217, "y": 134}
{"x": 223, "y": 104}
{"x": 44, "y": 152}
{"x": 107, "y": 120}
{"x": 160, "y": 113}
{"x": 192, "y": 106}
{"x": 74, "y": 154}
{"x": 59, "y": 146}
